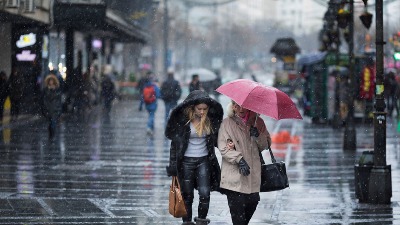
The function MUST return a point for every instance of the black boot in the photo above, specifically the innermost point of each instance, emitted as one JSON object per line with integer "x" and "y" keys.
{"x": 200, "y": 221}
{"x": 188, "y": 223}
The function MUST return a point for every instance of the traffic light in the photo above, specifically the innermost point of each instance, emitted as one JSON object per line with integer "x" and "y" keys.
{"x": 396, "y": 56}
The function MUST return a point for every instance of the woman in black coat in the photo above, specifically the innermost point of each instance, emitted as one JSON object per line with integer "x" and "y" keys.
{"x": 193, "y": 130}
{"x": 52, "y": 106}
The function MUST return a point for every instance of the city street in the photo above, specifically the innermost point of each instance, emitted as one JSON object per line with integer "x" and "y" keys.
{"x": 106, "y": 170}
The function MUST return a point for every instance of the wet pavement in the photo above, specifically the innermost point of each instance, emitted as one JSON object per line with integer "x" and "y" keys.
{"x": 106, "y": 170}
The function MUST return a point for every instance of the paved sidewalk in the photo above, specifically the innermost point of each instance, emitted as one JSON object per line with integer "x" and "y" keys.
{"x": 22, "y": 119}
{"x": 101, "y": 170}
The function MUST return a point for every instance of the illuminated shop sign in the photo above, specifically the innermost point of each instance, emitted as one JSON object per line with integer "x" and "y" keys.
{"x": 367, "y": 87}
{"x": 45, "y": 47}
{"x": 26, "y": 55}
{"x": 96, "y": 43}
{"x": 26, "y": 40}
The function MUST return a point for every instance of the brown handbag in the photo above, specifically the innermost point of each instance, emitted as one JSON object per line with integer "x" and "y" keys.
{"x": 176, "y": 204}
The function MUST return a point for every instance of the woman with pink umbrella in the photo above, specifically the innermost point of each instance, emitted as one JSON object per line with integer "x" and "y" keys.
{"x": 242, "y": 136}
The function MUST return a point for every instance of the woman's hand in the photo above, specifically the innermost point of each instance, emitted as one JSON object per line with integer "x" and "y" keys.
{"x": 244, "y": 168}
{"x": 254, "y": 132}
{"x": 230, "y": 145}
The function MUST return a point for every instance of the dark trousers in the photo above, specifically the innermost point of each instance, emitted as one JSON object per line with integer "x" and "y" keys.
{"x": 391, "y": 104}
{"x": 196, "y": 170}
{"x": 107, "y": 104}
{"x": 169, "y": 105}
{"x": 15, "y": 105}
{"x": 1, "y": 109}
{"x": 53, "y": 125}
{"x": 242, "y": 206}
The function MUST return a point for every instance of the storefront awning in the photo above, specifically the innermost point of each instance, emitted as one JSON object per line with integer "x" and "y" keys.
{"x": 99, "y": 21}
{"x": 128, "y": 31}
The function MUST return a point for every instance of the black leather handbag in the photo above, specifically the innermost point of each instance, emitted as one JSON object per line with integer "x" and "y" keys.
{"x": 273, "y": 176}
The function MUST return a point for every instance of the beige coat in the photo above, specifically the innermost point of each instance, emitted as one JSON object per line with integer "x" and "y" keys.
{"x": 247, "y": 147}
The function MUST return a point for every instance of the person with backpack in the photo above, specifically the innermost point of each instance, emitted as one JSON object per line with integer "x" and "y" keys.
{"x": 140, "y": 87}
{"x": 151, "y": 92}
{"x": 171, "y": 91}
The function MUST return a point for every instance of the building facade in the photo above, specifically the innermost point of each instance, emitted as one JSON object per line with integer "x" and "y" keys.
{"x": 69, "y": 36}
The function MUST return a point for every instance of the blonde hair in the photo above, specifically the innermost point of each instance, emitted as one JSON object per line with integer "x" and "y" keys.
{"x": 203, "y": 126}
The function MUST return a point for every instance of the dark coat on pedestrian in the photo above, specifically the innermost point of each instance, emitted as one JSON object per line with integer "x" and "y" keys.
{"x": 3, "y": 87}
{"x": 52, "y": 105}
{"x": 3, "y": 92}
{"x": 178, "y": 131}
{"x": 171, "y": 90}
{"x": 107, "y": 88}
{"x": 16, "y": 86}
{"x": 195, "y": 83}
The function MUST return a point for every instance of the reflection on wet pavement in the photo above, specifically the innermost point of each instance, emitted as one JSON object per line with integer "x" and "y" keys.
{"x": 101, "y": 170}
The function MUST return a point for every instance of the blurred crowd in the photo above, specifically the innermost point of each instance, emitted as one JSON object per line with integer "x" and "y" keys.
{"x": 77, "y": 95}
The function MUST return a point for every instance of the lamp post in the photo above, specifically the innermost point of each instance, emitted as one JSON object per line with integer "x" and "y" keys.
{"x": 380, "y": 183}
{"x": 165, "y": 37}
{"x": 188, "y": 6}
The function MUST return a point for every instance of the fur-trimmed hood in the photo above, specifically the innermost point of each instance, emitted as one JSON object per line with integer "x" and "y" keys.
{"x": 231, "y": 113}
{"x": 178, "y": 119}
{"x": 51, "y": 77}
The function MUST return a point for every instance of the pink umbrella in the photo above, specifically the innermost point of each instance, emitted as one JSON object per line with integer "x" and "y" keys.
{"x": 261, "y": 99}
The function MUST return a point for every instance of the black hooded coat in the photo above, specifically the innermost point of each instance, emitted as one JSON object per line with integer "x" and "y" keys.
{"x": 178, "y": 131}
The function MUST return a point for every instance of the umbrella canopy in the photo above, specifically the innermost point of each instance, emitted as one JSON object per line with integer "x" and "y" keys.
{"x": 285, "y": 46}
{"x": 204, "y": 74}
{"x": 261, "y": 99}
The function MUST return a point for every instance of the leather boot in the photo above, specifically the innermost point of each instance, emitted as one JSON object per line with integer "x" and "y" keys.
{"x": 188, "y": 223}
{"x": 200, "y": 221}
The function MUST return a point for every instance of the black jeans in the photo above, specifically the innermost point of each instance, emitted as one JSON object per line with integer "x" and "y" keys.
{"x": 242, "y": 206}
{"x": 196, "y": 171}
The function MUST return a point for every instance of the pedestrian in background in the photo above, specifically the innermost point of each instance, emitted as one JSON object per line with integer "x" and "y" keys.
{"x": 193, "y": 130}
{"x": 395, "y": 90}
{"x": 171, "y": 91}
{"x": 3, "y": 92}
{"x": 390, "y": 86}
{"x": 141, "y": 84}
{"x": 195, "y": 83}
{"x": 150, "y": 94}
{"x": 107, "y": 89}
{"x": 60, "y": 79}
{"x": 94, "y": 75}
{"x": 52, "y": 105}
{"x": 16, "y": 90}
{"x": 216, "y": 83}
{"x": 241, "y": 138}
{"x": 344, "y": 90}
{"x": 397, "y": 97}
